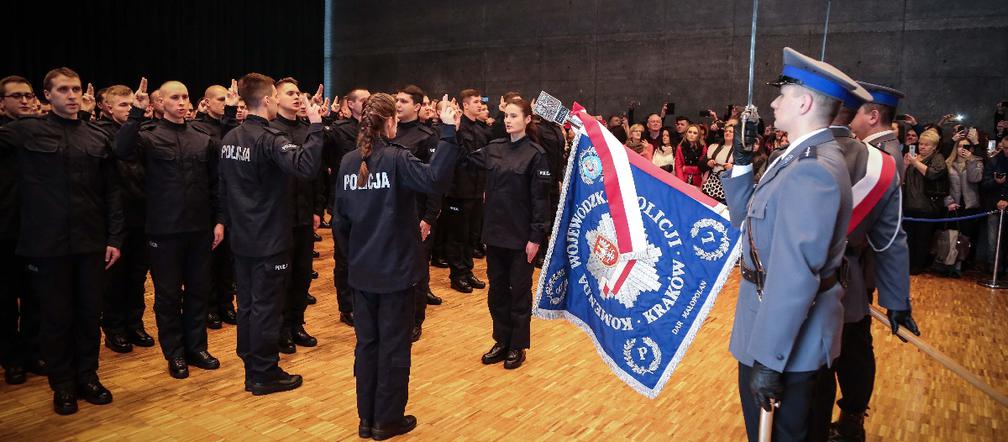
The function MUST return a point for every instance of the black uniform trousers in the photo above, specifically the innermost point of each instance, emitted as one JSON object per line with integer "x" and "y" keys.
{"x": 69, "y": 289}
{"x": 382, "y": 322}
{"x": 123, "y": 304}
{"x": 222, "y": 288}
{"x": 296, "y": 299}
{"x": 792, "y": 420}
{"x": 854, "y": 370}
{"x": 476, "y": 226}
{"x": 423, "y": 286}
{"x": 510, "y": 296}
{"x": 920, "y": 237}
{"x": 344, "y": 294}
{"x": 180, "y": 268}
{"x": 19, "y": 312}
{"x": 261, "y": 285}
{"x": 457, "y": 221}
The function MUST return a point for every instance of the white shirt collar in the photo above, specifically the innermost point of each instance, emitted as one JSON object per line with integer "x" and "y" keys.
{"x": 877, "y": 135}
{"x": 791, "y": 147}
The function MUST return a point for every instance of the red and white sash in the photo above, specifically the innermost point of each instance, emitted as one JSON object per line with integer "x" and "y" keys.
{"x": 869, "y": 190}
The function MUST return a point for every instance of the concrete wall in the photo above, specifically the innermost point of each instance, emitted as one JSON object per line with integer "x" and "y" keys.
{"x": 948, "y": 56}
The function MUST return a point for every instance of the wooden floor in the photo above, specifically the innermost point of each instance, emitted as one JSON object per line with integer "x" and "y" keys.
{"x": 562, "y": 392}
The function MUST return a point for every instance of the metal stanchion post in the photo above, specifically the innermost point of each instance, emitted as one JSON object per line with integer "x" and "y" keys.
{"x": 766, "y": 422}
{"x": 993, "y": 283}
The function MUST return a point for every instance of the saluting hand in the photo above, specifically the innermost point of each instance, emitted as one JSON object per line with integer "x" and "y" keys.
{"x": 231, "y": 99}
{"x": 202, "y": 106}
{"x": 449, "y": 113}
{"x": 314, "y": 112}
{"x": 140, "y": 98}
{"x": 326, "y": 109}
{"x": 317, "y": 98}
{"x": 88, "y": 99}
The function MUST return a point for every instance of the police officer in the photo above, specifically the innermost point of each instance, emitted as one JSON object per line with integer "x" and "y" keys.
{"x": 346, "y": 131}
{"x": 876, "y": 251}
{"x": 123, "y": 302}
{"x": 256, "y": 164}
{"x": 789, "y": 315}
{"x": 462, "y": 205}
{"x": 180, "y": 177}
{"x": 19, "y": 321}
{"x": 219, "y": 118}
{"x": 517, "y": 203}
{"x": 307, "y": 197}
{"x": 71, "y": 226}
{"x": 422, "y": 141}
{"x": 873, "y": 122}
{"x": 376, "y": 211}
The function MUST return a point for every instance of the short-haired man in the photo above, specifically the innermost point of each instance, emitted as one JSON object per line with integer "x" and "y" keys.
{"x": 71, "y": 226}
{"x": 180, "y": 180}
{"x": 257, "y": 162}
{"x": 19, "y": 319}
{"x": 346, "y": 132}
{"x": 218, "y": 119}
{"x": 308, "y": 197}
{"x": 422, "y": 141}
{"x": 123, "y": 302}
{"x": 462, "y": 209}
{"x": 873, "y": 122}
{"x": 794, "y": 221}
{"x": 681, "y": 124}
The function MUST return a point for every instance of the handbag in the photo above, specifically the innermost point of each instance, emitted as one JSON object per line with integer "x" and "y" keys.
{"x": 713, "y": 187}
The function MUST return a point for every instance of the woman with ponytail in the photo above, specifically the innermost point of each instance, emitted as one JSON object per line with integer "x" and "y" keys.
{"x": 376, "y": 228}
{"x": 514, "y": 226}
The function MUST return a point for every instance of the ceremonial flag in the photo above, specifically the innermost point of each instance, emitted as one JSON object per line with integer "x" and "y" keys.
{"x": 636, "y": 259}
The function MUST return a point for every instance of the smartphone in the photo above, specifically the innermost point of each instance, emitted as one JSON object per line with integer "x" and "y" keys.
{"x": 913, "y": 150}
{"x": 669, "y": 108}
{"x": 991, "y": 147}
{"x": 485, "y": 99}
{"x": 704, "y": 114}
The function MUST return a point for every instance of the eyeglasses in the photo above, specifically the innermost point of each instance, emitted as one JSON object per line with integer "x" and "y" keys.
{"x": 21, "y": 95}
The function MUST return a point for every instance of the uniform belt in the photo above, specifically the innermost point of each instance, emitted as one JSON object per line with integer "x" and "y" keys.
{"x": 758, "y": 279}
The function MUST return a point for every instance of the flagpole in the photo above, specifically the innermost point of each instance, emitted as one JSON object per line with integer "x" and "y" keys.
{"x": 822, "y": 55}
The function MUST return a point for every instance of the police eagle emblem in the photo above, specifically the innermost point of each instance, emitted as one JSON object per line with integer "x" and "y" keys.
{"x": 621, "y": 276}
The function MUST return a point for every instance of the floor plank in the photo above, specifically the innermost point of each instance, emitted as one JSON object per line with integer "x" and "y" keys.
{"x": 563, "y": 391}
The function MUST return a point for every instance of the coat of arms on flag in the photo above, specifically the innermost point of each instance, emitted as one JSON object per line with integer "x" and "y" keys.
{"x": 636, "y": 258}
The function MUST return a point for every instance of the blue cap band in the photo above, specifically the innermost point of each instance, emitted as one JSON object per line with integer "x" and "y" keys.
{"x": 885, "y": 98}
{"x": 817, "y": 83}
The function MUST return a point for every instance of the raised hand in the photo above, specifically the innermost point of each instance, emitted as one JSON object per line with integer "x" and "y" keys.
{"x": 449, "y": 113}
{"x": 88, "y": 99}
{"x": 314, "y": 112}
{"x": 231, "y": 99}
{"x": 317, "y": 98}
{"x": 140, "y": 98}
{"x": 502, "y": 104}
{"x": 202, "y": 107}
{"x": 326, "y": 109}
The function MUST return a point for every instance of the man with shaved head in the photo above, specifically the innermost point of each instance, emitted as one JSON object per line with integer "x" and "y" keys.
{"x": 216, "y": 121}
{"x": 180, "y": 167}
{"x": 156, "y": 106}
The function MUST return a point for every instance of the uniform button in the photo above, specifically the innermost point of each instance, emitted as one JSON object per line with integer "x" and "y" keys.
{"x": 780, "y": 357}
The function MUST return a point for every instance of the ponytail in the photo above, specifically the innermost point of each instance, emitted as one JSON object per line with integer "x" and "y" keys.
{"x": 378, "y": 109}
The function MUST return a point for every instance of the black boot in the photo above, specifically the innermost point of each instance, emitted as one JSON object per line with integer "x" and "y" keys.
{"x": 392, "y": 429}
{"x": 118, "y": 343}
{"x": 848, "y": 428}
{"x": 433, "y": 299}
{"x": 64, "y": 403}
{"x": 496, "y": 354}
{"x": 301, "y": 337}
{"x": 286, "y": 342}
{"x": 14, "y": 374}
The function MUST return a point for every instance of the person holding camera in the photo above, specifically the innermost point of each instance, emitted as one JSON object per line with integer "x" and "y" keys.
{"x": 995, "y": 195}
{"x": 924, "y": 189}
{"x": 965, "y": 170}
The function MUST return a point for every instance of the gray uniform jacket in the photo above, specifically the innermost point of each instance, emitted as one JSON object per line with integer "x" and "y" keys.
{"x": 798, "y": 214}
{"x": 891, "y": 145}
{"x": 876, "y": 252}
